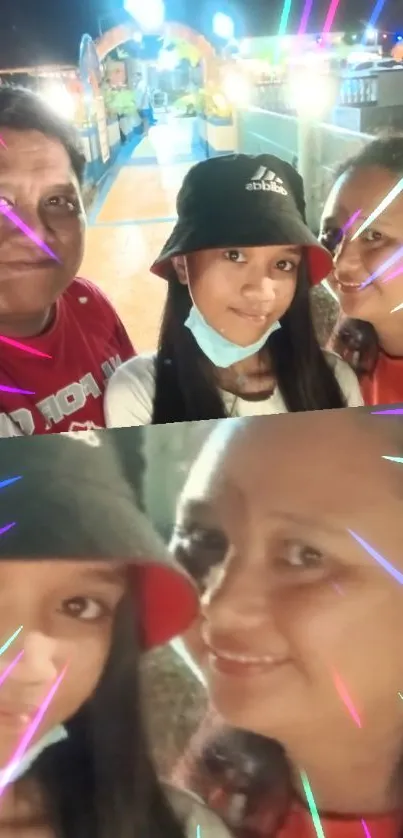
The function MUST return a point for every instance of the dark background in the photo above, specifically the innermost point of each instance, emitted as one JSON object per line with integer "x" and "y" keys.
{"x": 42, "y": 31}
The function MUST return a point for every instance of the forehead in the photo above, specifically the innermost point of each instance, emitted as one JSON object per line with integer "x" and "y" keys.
{"x": 330, "y": 462}
{"x": 362, "y": 190}
{"x": 32, "y": 154}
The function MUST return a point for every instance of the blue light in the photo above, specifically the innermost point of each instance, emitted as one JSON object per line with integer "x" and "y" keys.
{"x": 223, "y": 26}
{"x": 150, "y": 15}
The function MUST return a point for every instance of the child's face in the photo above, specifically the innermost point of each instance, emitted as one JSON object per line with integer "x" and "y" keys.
{"x": 66, "y": 610}
{"x": 241, "y": 292}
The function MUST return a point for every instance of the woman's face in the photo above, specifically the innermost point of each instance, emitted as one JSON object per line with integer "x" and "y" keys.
{"x": 241, "y": 292}
{"x": 356, "y": 261}
{"x": 66, "y": 610}
{"x": 301, "y": 630}
{"x": 38, "y": 185}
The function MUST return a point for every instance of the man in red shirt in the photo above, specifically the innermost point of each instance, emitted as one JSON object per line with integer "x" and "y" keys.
{"x": 60, "y": 338}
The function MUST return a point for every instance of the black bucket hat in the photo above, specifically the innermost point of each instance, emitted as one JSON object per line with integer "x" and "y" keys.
{"x": 240, "y": 200}
{"x": 69, "y": 496}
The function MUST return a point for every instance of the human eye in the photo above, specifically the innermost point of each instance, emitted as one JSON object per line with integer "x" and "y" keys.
{"x": 64, "y": 203}
{"x": 85, "y": 608}
{"x": 234, "y": 256}
{"x": 286, "y": 265}
{"x": 5, "y": 203}
{"x": 293, "y": 555}
{"x": 372, "y": 236}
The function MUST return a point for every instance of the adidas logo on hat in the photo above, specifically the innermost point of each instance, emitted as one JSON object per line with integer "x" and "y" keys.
{"x": 265, "y": 180}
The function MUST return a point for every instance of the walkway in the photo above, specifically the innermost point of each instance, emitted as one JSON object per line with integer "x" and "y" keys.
{"x": 132, "y": 216}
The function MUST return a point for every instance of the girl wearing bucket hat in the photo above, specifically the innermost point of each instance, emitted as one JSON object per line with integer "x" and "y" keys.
{"x": 85, "y": 587}
{"x": 237, "y": 336}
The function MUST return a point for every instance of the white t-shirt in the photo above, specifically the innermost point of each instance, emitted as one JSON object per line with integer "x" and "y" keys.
{"x": 130, "y": 392}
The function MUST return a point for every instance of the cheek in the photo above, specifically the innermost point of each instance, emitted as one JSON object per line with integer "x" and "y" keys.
{"x": 87, "y": 659}
{"x": 211, "y": 291}
{"x": 71, "y": 240}
{"x": 195, "y": 646}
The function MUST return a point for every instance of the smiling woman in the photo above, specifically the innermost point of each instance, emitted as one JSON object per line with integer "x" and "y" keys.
{"x": 85, "y": 587}
{"x": 368, "y": 273}
{"x": 292, "y": 528}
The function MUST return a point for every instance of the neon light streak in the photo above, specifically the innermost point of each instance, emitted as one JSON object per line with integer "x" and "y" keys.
{"x": 6, "y": 389}
{"x": 378, "y": 558}
{"x": 10, "y": 640}
{"x": 377, "y": 11}
{"x": 387, "y": 201}
{"x": 312, "y": 805}
{"x": 388, "y": 263}
{"x": 9, "y": 481}
{"x": 17, "y": 345}
{"x": 333, "y": 6}
{"x": 30, "y": 733}
{"x": 305, "y": 17}
{"x": 346, "y": 698}
{"x": 285, "y": 14}
{"x": 393, "y": 459}
{"x": 365, "y": 829}
{"x": 7, "y": 527}
{"x": 394, "y": 411}
{"x": 351, "y": 221}
{"x": 9, "y": 213}
{"x": 10, "y": 667}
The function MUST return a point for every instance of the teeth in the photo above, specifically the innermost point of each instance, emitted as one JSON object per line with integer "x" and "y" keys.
{"x": 246, "y": 658}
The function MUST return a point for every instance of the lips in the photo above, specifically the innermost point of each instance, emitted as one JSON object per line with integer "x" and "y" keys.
{"x": 241, "y": 665}
{"x": 256, "y": 317}
{"x": 17, "y": 716}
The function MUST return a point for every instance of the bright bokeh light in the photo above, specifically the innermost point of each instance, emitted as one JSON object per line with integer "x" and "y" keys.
{"x": 236, "y": 89}
{"x": 370, "y": 34}
{"x": 168, "y": 60}
{"x": 59, "y": 99}
{"x": 223, "y": 26}
{"x": 149, "y": 14}
{"x": 310, "y": 94}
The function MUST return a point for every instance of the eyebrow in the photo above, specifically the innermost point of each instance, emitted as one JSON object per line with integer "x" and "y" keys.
{"x": 195, "y": 508}
{"x": 105, "y": 574}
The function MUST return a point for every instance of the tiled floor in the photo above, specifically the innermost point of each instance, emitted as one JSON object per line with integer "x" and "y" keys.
{"x": 131, "y": 218}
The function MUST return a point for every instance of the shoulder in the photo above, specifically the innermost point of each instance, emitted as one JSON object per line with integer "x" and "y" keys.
{"x": 196, "y": 818}
{"x": 346, "y": 378}
{"x": 129, "y": 394}
{"x": 83, "y": 291}
{"x": 139, "y": 370}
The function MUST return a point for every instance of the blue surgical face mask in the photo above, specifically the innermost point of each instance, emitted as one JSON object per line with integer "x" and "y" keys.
{"x": 58, "y": 734}
{"x": 220, "y": 351}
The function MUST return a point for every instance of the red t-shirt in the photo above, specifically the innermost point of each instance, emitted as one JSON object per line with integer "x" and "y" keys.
{"x": 385, "y": 384}
{"x": 86, "y": 343}
{"x": 300, "y": 825}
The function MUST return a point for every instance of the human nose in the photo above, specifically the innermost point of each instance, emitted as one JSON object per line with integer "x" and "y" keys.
{"x": 238, "y": 610}
{"x": 259, "y": 286}
{"x": 347, "y": 260}
{"x": 36, "y": 664}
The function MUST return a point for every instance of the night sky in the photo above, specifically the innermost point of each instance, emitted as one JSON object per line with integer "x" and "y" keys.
{"x": 42, "y": 31}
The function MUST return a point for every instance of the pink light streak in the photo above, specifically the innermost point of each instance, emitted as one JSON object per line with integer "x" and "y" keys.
{"x": 331, "y": 14}
{"x": 30, "y": 733}
{"x": 10, "y": 667}
{"x": 394, "y": 274}
{"x": 365, "y": 829}
{"x": 9, "y": 213}
{"x": 346, "y": 699}
{"x": 351, "y": 221}
{"x": 305, "y": 17}
{"x": 6, "y": 389}
{"x": 2, "y": 143}
{"x": 17, "y": 345}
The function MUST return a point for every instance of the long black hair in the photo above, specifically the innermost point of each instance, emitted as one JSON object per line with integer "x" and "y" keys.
{"x": 100, "y": 782}
{"x": 185, "y": 388}
{"x": 357, "y": 340}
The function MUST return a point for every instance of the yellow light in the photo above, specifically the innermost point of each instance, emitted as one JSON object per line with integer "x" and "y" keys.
{"x": 59, "y": 99}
